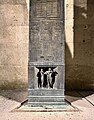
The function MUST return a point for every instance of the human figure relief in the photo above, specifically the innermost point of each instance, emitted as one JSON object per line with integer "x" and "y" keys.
{"x": 48, "y": 73}
{"x": 53, "y": 75}
{"x": 40, "y": 78}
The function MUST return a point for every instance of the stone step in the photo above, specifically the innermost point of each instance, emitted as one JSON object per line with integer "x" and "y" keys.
{"x": 45, "y": 92}
{"x": 46, "y": 98}
{"x": 41, "y": 104}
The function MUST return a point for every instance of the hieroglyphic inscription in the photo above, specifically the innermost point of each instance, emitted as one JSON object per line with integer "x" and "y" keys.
{"x": 46, "y": 8}
{"x": 46, "y": 35}
{"x": 47, "y": 41}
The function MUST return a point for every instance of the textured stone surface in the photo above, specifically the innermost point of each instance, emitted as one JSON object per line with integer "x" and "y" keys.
{"x": 46, "y": 32}
{"x": 13, "y": 44}
{"x": 79, "y": 45}
{"x": 9, "y": 100}
{"x": 79, "y": 26}
{"x": 46, "y": 46}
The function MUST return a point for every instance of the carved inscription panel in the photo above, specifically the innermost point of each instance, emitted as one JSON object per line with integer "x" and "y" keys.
{"x": 46, "y": 8}
{"x": 46, "y": 35}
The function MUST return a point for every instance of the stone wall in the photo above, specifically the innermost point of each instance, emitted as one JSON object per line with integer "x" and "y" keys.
{"x": 80, "y": 45}
{"x": 13, "y": 44}
{"x": 14, "y": 36}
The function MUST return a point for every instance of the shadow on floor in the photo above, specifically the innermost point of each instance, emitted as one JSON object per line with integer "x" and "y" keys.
{"x": 21, "y": 95}
{"x": 16, "y": 95}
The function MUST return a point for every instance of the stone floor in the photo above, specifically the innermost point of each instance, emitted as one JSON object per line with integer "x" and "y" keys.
{"x": 82, "y": 100}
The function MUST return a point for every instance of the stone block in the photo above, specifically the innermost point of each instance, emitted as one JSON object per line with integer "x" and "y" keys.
{"x": 69, "y": 34}
{"x": 17, "y": 15}
{"x": 70, "y": 2}
{"x": 14, "y": 34}
{"x": 46, "y": 99}
{"x": 80, "y": 2}
{"x": 83, "y": 53}
{"x": 13, "y": 2}
{"x": 79, "y": 33}
{"x": 90, "y": 31}
{"x": 78, "y": 77}
{"x": 13, "y": 55}
{"x": 80, "y": 16}
{"x": 69, "y": 12}
{"x": 11, "y": 73}
{"x": 90, "y": 2}
{"x": 90, "y": 14}
{"x": 42, "y": 92}
{"x": 69, "y": 53}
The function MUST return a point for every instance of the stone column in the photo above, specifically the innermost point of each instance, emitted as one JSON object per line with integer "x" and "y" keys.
{"x": 46, "y": 53}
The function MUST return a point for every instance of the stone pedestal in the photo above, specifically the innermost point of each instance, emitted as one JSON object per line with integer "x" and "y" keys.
{"x": 46, "y": 53}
